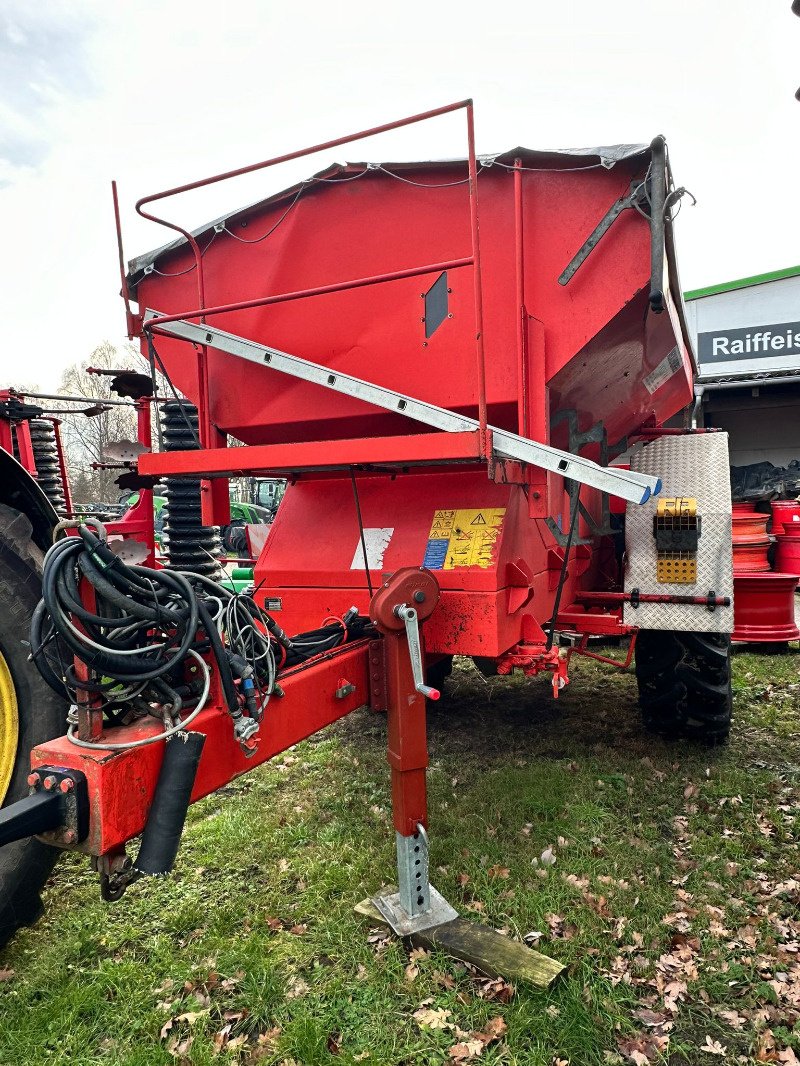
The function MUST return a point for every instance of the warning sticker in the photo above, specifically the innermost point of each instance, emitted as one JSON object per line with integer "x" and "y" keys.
{"x": 668, "y": 366}
{"x": 463, "y": 538}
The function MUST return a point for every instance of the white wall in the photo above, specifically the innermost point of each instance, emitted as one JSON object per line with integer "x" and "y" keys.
{"x": 767, "y": 304}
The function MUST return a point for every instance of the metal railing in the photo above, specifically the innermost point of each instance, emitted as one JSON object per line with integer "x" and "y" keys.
{"x": 202, "y": 311}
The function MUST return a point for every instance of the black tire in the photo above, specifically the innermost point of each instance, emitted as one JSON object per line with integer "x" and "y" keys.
{"x": 26, "y": 864}
{"x": 437, "y": 673}
{"x": 685, "y": 684}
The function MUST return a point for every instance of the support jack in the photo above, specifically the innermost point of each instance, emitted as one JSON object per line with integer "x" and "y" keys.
{"x": 417, "y": 905}
{"x": 415, "y": 909}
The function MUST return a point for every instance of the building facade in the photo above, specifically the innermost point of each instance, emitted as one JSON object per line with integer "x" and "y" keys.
{"x": 746, "y": 335}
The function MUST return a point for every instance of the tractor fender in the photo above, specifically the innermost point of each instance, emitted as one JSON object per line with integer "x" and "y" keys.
{"x": 22, "y": 498}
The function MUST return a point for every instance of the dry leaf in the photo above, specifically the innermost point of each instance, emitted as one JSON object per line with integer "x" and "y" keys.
{"x": 297, "y": 988}
{"x": 494, "y": 1029}
{"x": 6, "y": 975}
{"x": 496, "y": 989}
{"x": 499, "y": 871}
{"x": 713, "y": 1047}
{"x": 433, "y": 1018}
{"x": 733, "y": 1018}
{"x": 468, "y": 1049}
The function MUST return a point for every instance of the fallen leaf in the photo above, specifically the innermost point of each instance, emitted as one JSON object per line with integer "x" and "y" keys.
{"x": 733, "y": 1018}
{"x": 713, "y": 1047}
{"x": 297, "y": 988}
{"x": 191, "y": 1016}
{"x": 433, "y": 1018}
{"x": 6, "y": 975}
{"x": 499, "y": 871}
{"x": 494, "y": 1029}
{"x": 466, "y": 1050}
{"x": 496, "y": 989}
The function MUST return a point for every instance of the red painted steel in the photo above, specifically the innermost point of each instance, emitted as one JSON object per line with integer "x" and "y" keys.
{"x": 406, "y": 714}
{"x": 207, "y": 426}
{"x": 787, "y": 553}
{"x": 121, "y": 784}
{"x": 785, "y": 515}
{"x": 598, "y": 341}
{"x": 764, "y": 608}
{"x": 743, "y": 507}
{"x": 750, "y": 541}
{"x": 312, "y": 561}
{"x": 424, "y": 448}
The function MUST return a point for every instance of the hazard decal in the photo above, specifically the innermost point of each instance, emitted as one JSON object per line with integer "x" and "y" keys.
{"x": 463, "y": 538}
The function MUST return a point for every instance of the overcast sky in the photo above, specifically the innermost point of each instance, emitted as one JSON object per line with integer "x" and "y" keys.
{"x": 157, "y": 93}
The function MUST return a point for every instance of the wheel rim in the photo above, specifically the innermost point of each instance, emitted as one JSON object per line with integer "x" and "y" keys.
{"x": 9, "y": 727}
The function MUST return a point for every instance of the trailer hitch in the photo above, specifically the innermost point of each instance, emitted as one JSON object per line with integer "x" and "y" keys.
{"x": 56, "y": 809}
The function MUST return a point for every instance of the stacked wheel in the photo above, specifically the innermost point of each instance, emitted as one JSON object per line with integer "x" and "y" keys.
{"x": 685, "y": 684}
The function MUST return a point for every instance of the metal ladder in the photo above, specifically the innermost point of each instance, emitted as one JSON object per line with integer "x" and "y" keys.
{"x": 631, "y": 486}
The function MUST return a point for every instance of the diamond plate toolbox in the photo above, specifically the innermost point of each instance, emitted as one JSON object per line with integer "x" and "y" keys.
{"x": 694, "y": 466}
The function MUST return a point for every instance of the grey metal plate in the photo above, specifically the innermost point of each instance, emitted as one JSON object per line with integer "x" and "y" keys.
{"x": 694, "y": 466}
{"x": 439, "y": 913}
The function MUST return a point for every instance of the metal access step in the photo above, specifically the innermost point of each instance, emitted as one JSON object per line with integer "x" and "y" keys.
{"x": 631, "y": 486}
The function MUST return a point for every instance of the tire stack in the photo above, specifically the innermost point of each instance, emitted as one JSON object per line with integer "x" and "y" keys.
{"x": 48, "y": 469}
{"x": 188, "y": 544}
{"x": 763, "y": 598}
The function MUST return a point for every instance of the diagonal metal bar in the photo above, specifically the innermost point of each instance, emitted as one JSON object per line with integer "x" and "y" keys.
{"x": 631, "y": 486}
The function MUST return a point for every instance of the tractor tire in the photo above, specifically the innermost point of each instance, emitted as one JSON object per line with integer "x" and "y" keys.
{"x": 438, "y": 673}
{"x": 685, "y": 684}
{"x": 30, "y": 713}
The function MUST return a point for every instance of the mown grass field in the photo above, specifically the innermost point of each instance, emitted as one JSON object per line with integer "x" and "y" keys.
{"x": 673, "y": 901}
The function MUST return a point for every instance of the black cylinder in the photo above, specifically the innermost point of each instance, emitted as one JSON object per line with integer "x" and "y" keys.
{"x": 162, "y": 833}
{"x": 187, "y": 543}
{"x": 48, "y": 469}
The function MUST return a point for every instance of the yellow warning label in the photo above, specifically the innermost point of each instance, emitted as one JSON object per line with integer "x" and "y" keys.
{"x": 464, "y": 537}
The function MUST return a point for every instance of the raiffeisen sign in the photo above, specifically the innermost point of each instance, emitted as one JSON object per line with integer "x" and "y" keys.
{"x": 782, "y": 338}
{"x": 747, "y": 328}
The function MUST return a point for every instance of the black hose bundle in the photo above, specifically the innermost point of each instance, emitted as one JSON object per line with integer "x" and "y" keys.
{"x": 142, "y": 627}
{"x": 139, "y": 627}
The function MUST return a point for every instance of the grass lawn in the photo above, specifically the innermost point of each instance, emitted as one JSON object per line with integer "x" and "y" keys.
{"x": 673, "y": 901}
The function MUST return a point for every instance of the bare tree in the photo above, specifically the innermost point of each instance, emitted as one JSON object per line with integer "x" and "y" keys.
{"x": 86, "y": 438}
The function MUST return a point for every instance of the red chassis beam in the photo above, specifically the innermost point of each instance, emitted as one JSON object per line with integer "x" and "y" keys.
{"x": 121, "y": 784}
{"x": 420, "y": 448}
